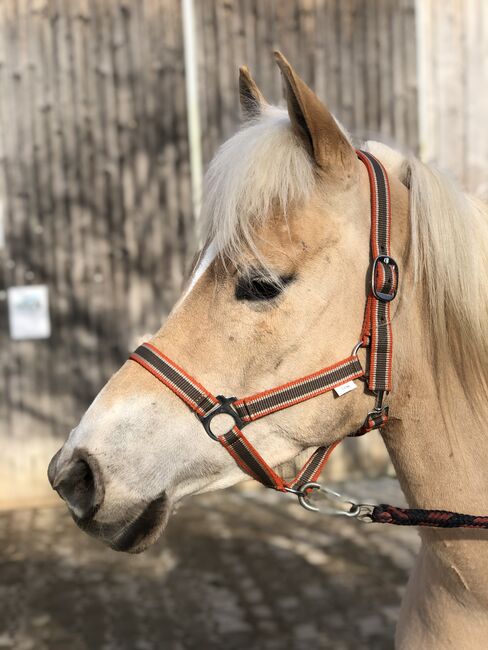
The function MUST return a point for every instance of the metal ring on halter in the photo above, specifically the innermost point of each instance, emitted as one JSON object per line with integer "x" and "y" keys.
{"x": 354, "y": 353}
{"x": 224, "y": 407}
{"x": 297, "y": 492}
{"x": 365, "y": 513}
{"x": 378, "y": 405}
{"x": 385, "y": 260}
{"x": 356, "y": 348}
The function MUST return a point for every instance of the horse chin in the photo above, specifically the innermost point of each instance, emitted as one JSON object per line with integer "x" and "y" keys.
{"x": 136, "y": 536}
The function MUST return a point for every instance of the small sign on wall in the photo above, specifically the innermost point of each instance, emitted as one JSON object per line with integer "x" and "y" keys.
{"x": 28, "y": 312}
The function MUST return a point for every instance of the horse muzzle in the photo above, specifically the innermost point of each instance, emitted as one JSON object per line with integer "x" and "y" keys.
{"x": 79, "y": 482}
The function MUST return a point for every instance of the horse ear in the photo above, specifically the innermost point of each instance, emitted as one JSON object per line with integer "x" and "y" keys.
{"x": 252, "y": 99}
{"x": 314, "y": 123}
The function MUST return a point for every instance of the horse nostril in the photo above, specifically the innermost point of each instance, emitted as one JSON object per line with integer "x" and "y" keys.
{"x": 53, "y": 467}
{"x": 78, "y": 483}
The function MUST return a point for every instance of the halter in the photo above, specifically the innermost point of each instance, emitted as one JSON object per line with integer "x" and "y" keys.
{"x": 375, "y": 335}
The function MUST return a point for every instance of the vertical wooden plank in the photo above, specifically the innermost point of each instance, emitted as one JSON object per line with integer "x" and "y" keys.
{"x": 321, "y": 74}
{"x": 450, "y": 117}
{"x": 475, "y": 105}
{"x": 184, "y": 234}
{"x": 371, "y": 71}
{"x": 410, "y": 81}
{"x": 42, "y": 19}
{"x": 38, "y": 368}
{"x": 19, "y": 238}
{"x": 384, "y": 69}
{"x": 453, "y": 66}
{"x": 359, "y": 68}
{"x": 5, "y": 410}
{"x": 306, "y": 30}
{"x": 347, "y": 64}
{"x": 333, "y": 53}
{"x": 87, "y": 167}
{"x": 9, "y": 363}
{"x": 397, "y": 76}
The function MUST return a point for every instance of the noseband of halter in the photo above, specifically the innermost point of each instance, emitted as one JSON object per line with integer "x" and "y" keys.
{"x": 376, "y": 335}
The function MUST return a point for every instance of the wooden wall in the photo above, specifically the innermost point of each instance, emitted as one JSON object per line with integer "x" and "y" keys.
{"x": 453, "y": 88}
{"x": 358, "y": 55}
{"x": 94, "y": 184}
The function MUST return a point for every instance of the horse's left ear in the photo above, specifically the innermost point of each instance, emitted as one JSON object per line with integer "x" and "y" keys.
{"x": 315, "y": 124}
{"x": 251, "y": 98}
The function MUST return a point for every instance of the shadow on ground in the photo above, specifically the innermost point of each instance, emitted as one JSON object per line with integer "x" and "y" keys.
{"x": 235, "y": 570}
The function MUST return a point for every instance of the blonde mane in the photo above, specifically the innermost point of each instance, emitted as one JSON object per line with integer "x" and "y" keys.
{"x": 450, "y": 255}
{"x": 264, "y": 167}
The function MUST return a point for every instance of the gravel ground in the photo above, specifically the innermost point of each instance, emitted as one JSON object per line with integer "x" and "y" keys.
{"x": 244, "y": 569}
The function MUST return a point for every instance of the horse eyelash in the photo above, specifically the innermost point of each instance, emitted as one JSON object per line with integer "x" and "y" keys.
{"x": 255, "y": 288}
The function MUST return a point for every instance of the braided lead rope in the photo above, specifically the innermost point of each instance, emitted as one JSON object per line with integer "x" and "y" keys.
{"x": 333, "y": 503}
{"x": 386, "y": 514}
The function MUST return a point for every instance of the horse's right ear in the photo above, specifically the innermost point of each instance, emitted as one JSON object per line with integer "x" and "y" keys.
{"x": 315, "y": 125}
{"x": 252, "y": 99}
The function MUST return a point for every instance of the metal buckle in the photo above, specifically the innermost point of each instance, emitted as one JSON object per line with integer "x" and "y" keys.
{"x": 387, "y": 260}
{"x": 354, "y": 353}
{"x": 380, "y": 408}
{"x": 225, "y": 406}
{"x": 379, "y": 401}
{"x": 361, "y": 511}
{"x": 356, "y": 348}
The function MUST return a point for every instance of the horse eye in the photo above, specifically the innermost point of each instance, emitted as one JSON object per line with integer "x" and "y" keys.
{"x": 257, "y": 288}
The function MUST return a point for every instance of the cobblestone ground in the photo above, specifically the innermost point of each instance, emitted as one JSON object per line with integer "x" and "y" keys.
{"x": 236, "y": 570}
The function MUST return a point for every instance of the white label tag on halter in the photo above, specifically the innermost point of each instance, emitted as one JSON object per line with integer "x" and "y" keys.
{"x": 345, "y": 388}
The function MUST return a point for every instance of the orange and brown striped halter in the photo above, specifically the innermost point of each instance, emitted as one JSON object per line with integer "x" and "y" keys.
{"x": 376, "y": 335}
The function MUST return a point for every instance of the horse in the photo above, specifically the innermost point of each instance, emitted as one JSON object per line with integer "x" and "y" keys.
{"x": 279, "y": 289}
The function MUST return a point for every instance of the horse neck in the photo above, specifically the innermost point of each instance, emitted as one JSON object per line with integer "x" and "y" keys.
{"x": 437, "y": 443}
{"x": 439, "y": 449}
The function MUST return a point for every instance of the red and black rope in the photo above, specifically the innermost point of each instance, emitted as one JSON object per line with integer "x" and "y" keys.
{"x": 386, "y": 514}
